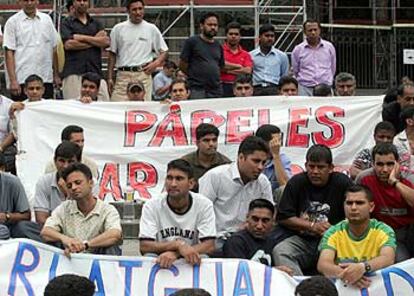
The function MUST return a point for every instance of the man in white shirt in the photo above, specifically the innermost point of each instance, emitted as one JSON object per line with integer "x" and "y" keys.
{"x": 133, "y": 43}
{"x": 180, "y": 223}
{"x": 231, "y": 187}
{"x": 30, "y": 41}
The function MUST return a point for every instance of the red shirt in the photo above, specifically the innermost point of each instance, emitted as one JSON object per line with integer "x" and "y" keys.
{"x": 241, "y": 57}
{"x": 390, "y": 206}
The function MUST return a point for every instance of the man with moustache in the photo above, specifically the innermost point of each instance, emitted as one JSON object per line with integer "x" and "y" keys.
{"x": 392, "y": 112}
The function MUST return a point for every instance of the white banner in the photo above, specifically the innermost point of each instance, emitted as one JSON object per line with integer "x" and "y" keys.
{"x": 132, "y": 142}
{"x": 27, "y": 266}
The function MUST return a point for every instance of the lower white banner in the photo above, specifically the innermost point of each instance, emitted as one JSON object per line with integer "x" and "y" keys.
{"x": 27, "y": 266}
{"x": 132, "y": 142}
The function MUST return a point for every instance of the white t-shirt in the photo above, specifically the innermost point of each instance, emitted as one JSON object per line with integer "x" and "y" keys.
{"x": 33, "y": 41}
{"x": 5, "y": 127}
{"x": 135, "y": 44}
{"x": 159, "y": 222}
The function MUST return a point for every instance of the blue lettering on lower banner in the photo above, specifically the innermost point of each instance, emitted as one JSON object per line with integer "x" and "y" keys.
{"x": 129, "y": 265}
{"x": 96, "y": 277}
{"x": 243, "y": 276}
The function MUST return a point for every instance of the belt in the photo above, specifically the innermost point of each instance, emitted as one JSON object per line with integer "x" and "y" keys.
{"x": 264, "y": 85}
{"x": 139, "y": 68}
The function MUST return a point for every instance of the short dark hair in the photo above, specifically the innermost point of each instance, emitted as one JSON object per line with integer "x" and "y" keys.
{"x": 2, "y": 160}
{"x": 384, "y": 149}
{"x": 204, "y": 129}
{"x": 207, "y": 15}
{"x": 93, "y": 77}
{"x": 360, "y": 188}
{"x": 68, "y": 4}
{"x": 181, "y": 165}
{"x": 266, "y": 131}
{"x": 70, "y": 285}
{"x": 180, "y": 80}
{"x": 384, "y": 126}
{"x": 266, "y": 28}
{"x": 407, "y": 113}
{"x": 129, "y": 2}
{"x": 401, "y": 88}
{"x": 251, "y": 144}
{"x": 308, "y": 21}
{"x": 344, "y": 76}
{"x": 287, "y": 80}
{"x": 32, "y": 78}
{"x": 260, "y": 203}
{"x": 69, "y": 130}
{"x": 319, "y": 153}
{"x": 170, "y": 65}
{"x": 322, "y": 90}
{"x": 242, "y": 79}
{"x": 316, "y": 286}
{"x": 191, "y": 292}
{"x": 68, "y": 150}
{"x": 77, "y": 167}
{"x": 232, "y": 25}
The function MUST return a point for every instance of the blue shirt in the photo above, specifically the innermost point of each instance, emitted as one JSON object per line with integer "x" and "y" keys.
{"x": 270, "y": 67}
{"x": 269, "y": 170}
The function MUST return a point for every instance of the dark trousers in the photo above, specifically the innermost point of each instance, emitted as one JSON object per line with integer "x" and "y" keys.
{"x": 228, "y": 90}
{"x": 199, "y": 93}
{"x": 271, "y": 90}
{"x": 47, "y": 95}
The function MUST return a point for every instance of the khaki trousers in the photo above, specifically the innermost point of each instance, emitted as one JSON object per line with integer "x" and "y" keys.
{"x": 123, "y": 78}
{"x": 71, "y": 88}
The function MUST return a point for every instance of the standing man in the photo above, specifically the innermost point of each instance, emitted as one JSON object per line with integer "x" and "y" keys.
{"x": 392, "y": 112}
{"x": 30, "y": 41}
{"x": 312, "y": 201}
{"x": 234, "y": 54}
{"x": 345, "y": 85}
{"x": 357, "y": 245}
{"x": 180, "y": 223}
{"x": 133, "y": 44}
{"x": 83, "y": 37}
{"x": 269, "y": 63}
{"x": 314, "y": 60}
{"x": 206, "y": 156}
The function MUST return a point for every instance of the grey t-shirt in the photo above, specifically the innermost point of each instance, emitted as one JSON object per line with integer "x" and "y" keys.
{"x": 13, "y": 198}
{"x": 47, "y": 194}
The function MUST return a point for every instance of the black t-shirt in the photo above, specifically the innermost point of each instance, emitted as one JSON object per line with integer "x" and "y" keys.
{"x": 204, "y": 63}
{"x": 391, "y": 112}
{"x": 301, "y": 198}
{"x": 78, "y": 62}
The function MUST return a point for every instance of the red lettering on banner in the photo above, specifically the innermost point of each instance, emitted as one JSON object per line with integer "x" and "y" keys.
{"x": 235, "y": 120}
{"x": 264, "y": 117}
{"x": 337, "y": 129}
{"x": 170, "y": 127}
{"x": 298, "y": 117}
{"x": 204, "y": 116}
{"x": 110, "y": 182}
{"x": 132, "y": 126}
{"x": 149, "y": 177}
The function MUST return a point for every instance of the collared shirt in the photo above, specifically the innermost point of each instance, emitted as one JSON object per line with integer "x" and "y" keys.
{"x": 5, "y": 127}
{"x": 160, "y": 80}
{"x": 33, "y": 41}
{"x": 406, "y": 159}
{"x": 78, "y": 62}
{"x": 314, "y": 65}
{"x": 230, "y": 196}
{"x": 48, "y": 195}
{"x": 270, "y": 67}
{"x": 135, "y": 44}
{"x": 70, "y": 221}
{"x": 270, "y": 173}
{"x": 240, "y": 57}
{"x": 13, "y": 197}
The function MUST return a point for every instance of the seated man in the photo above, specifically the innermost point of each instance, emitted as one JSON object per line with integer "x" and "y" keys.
{"x": 84, "y": 223}
{"x": 345, "y": 85}
{"x": 75, "y": 134}
{"x": 179, "y": 90}
{"x": 384, "y": 132}
{"x": 14, "y": 208}
{"x": 180, "y": 223}
{"x": 90, "y": 87}
{"x": 358, "y": 244}
{"x": 322, "y": 90}
{"x": 288, "y": 86}
{"x": 243, "y": 86}
{"x": 231, "y": 187}
{"x": 136, "y": 91}
{"x": 162, "y": 81}
{"x": 277, "y": 168}
{"x": 206, "y": 156}
{"x": 393, "y": 197}
{"x": 311, "y": 202}
{"x": 316, "y": 286}
{"x": 50, "y": 188}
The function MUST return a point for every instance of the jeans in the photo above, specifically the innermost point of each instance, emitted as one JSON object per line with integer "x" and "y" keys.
{"x": 405, "y": 242}
{"x": 198, "y": 93}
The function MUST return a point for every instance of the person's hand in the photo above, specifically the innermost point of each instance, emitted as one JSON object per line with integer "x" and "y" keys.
{"x": 62, "y": 186}
{"x": 16, "y": 106}
{"x": 362, "y": 283}
{"x": 3, "y": 217}
{"x": 111, "y": 84}
{"x": 166, "y": 259}
{"x": 57, "y": 81}
{"x": 14, "y": 88}
{"x": 286, "y": 269}
{"x": 150, "y": 68}
{"x": 319, "y": 228}
{"x": 86, "y": 99}
{"x": 166, "y": 101}
{"x": 359, "y": 164}
{"x": 275, "y": 144}
{"x": 352, "y": 272}
{"x": 395, "y": 174}
{"x": 190, "y": 254}
{"x": 72, "y": 245}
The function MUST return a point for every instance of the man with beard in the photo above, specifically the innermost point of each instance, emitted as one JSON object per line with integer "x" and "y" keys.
{"x": 392, "y": 112}
{"x": 269, "y": 63}
{"x": 50, "y": 188}
{"x": 234, "y": 54}
{"x": 311, "y": 202}
{"x": 357, "y": 245}
{"x": 345, "y": 85}
{"x": 202, "y": 58}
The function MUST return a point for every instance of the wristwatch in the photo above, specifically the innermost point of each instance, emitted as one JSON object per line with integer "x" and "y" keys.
{"x": 367, "y": 266}
{"x": 7, "y": 217}
{"x": 86, "y": 244}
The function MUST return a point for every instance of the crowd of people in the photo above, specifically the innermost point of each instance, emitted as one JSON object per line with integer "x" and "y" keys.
{"x": 320, "y": 220}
